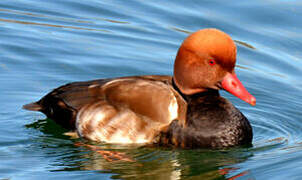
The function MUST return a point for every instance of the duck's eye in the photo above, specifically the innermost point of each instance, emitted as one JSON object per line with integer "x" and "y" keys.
{"x": 212, "y": 62}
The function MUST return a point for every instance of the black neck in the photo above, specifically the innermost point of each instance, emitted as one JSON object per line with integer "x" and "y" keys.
{"x": 208, "y": 92}
{"x": 178, "y": 90}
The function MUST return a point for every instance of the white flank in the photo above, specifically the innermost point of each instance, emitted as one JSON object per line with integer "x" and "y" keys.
{"x": 173, "y": 109}
{"x": 126, "y": 133}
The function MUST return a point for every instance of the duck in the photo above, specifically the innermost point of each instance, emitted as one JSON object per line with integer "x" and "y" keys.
{"x": 184, "y": 110}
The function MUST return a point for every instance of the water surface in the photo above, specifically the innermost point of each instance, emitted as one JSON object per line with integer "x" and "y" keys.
{"x": 44, "y": 44}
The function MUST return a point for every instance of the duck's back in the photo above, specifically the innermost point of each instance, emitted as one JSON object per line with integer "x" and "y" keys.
{"x": 121, "y": 110}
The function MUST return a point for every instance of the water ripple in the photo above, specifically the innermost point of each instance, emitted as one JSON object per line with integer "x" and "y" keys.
{"x": 45, "y": 44}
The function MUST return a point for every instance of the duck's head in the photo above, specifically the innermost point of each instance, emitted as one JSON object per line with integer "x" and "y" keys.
{"x": 206, "y": 60}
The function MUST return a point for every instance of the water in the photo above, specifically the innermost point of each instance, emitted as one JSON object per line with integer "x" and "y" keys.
{"x": 44, "y": 44}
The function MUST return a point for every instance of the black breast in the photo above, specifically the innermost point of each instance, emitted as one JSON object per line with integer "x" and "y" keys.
{"x": 211, "y": 122}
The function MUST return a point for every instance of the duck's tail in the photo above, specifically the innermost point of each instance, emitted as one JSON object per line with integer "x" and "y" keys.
{"x": 35, "y": 106}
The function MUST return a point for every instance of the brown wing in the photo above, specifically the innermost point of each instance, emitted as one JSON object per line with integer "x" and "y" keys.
{"x": 128, "y": 110}
{"x": 63, "y": 103}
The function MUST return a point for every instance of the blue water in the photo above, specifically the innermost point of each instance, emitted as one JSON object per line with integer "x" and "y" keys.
{"x": 44, "y": 44}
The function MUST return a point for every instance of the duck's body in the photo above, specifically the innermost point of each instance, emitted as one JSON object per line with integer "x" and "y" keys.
{"x": 181, "y": 111}
{"x": 119, "y": 110}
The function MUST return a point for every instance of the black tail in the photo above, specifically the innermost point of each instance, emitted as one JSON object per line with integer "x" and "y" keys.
{"x": 32, "y": 106}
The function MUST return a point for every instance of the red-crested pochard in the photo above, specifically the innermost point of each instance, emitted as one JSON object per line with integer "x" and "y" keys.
{"x": 183, "y": 110}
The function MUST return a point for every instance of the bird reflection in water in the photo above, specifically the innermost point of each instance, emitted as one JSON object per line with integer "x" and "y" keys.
{"x": 137, "y": 162}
